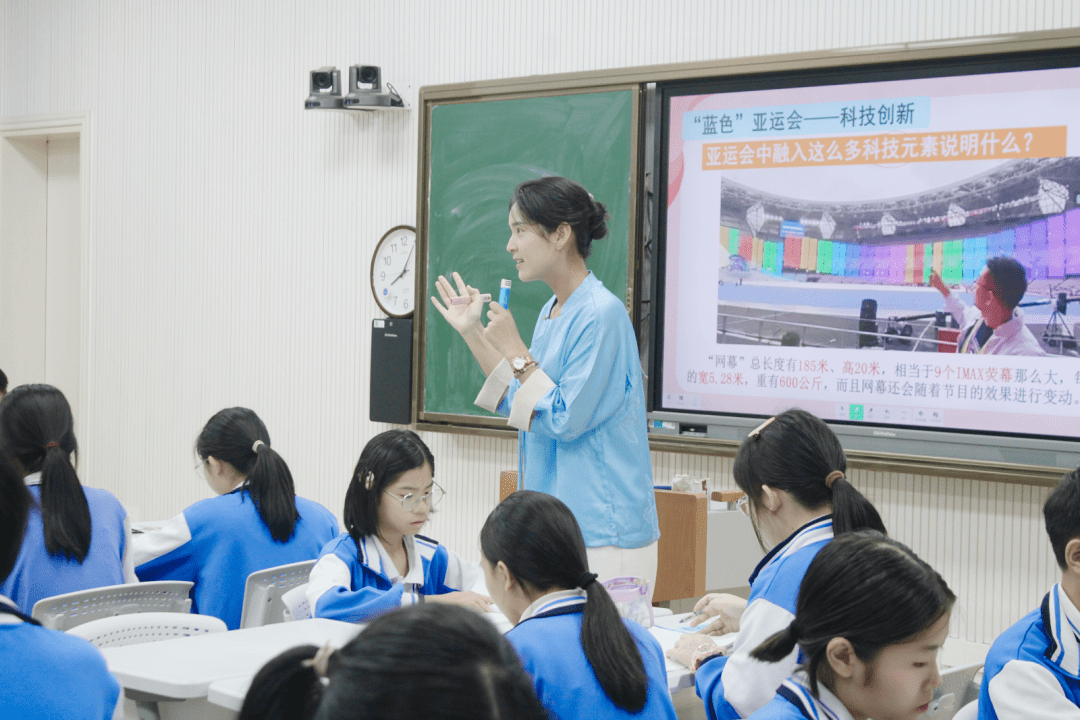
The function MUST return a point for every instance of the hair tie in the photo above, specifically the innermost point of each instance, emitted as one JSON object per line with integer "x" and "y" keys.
{"x": 587, "y": 578}
{"x": 833, "y": 477}
{"x": 50, "y": 446}
{"x": 795, "y": 630}
{"x": 321, "y": 661}
{"x": 255, "y": 446}
{"x": 369, "y": 480}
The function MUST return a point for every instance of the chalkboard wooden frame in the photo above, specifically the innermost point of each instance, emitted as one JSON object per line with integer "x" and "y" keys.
{"x": 436, "y": 96}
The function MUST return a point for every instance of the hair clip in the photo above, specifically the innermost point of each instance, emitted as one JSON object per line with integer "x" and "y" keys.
{"x": 757, "y": 431}
{"x": 321, "y": 661}
{"x": 369, "y": 480}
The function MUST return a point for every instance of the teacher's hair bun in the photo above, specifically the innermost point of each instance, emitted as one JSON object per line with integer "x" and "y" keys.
{"x": 598, "y": 221}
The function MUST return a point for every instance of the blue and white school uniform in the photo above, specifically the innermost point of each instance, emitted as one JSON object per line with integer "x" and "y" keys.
{"x": 357, "y": 584}
{"x": 216, "y": 543}
{"x": 794, "y": 701}
{"x": 547, "y": 638}
{"x": 737, "y": 685}
{"x": 581, "y": 416}
{"x": 48, "y": 674}
{"x": 1033, "y": 668}
{"x": 38, "y": 575}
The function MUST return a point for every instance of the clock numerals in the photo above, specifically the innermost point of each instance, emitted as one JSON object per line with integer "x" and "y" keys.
{"x": 392, "y": 273}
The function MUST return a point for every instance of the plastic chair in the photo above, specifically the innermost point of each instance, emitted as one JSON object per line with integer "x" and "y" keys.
{"x": 145, "y": 627}
{"x": 955, "y": 694}
{"x": 136, "y": 628}
{"x": 263, "y": 591}
{"x": 63, "y": 612}
{"x": 296, "y": 604}
{"x": 968, "y": 712}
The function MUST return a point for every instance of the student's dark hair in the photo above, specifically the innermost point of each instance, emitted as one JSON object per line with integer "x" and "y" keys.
{"x": 286, "y": 688}
{"x": 798, "y": 453}
{"x": 36, "y": 431}
{"x": 385, "y": 457}
{"x": 1062, "y": 514}
{"x": 1010, "y": 279}
{"x": 231, "y": 436}
{"x": 15, "y": 504}
{"x": 3, "y": 382}
{"x": 867, "y": 588}
{"x": 551, "y": 201}
{"x": 538, "y": 539}
{"x": 434, "y": 661}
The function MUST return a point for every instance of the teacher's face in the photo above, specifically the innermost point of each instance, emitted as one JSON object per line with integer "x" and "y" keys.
{"x": 534, "y": 254}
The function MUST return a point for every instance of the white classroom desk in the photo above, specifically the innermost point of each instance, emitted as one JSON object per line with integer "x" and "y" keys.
{"x": 184, "y": 668}
{"x": 229, "y": 693}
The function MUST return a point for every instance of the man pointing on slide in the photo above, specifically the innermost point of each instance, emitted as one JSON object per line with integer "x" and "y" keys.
{"x": 995, "y": 326}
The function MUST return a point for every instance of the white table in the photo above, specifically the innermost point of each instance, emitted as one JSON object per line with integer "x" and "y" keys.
{"x": 184, "y": 668}
{"x": 229, "y": 693}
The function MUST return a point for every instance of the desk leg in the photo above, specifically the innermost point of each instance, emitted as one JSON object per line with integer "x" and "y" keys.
{"x": 146, "y": 704}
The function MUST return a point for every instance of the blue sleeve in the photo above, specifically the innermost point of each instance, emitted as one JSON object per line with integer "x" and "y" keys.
{"x": 346, "y": 605}
{"x": 591, "y": 385}
{"x": 710, "y": 688}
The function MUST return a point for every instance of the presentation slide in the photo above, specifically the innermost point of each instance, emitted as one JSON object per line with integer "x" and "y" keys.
{"x": 827, "y": 247}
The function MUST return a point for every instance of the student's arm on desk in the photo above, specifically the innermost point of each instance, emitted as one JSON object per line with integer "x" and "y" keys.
{"x": 737, "y": 686}
{"x": 330, "y": 595}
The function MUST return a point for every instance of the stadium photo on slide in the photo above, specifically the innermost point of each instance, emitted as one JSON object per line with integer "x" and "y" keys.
{"x": 899, "y": 252}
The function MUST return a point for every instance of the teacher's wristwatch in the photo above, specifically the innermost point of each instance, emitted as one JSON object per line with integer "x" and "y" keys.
{"x": 521, "y": 364}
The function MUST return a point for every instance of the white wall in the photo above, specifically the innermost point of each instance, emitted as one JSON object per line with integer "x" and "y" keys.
{"x": 231, "y": 231}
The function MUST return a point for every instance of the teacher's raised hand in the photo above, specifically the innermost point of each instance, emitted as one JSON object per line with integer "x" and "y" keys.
{"x": 464, "y": 317}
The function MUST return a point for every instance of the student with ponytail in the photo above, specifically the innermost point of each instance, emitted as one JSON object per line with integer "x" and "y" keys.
{"x": 77, "y": 538}
{"x": 34, "y": 660}
{"x": 256, "y": 521}
{"x": 584, "y": 659}
{"x": 437, "y": 662}
{"x": 798, "y": 498}
{"x": 870, "y": 621}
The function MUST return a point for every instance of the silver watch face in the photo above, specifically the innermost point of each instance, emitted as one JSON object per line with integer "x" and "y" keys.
{"x": 518, "y": 363}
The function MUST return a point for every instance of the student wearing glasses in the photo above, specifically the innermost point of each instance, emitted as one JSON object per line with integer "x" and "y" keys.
{"x": 381, "y": 563}
{"x": 995, "y": 326}
{"x": 792, "y": 469}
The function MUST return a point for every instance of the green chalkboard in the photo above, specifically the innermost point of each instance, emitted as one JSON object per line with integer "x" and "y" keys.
{"x": 478, "y": 151}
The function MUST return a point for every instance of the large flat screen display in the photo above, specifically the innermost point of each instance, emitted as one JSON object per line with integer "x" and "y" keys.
{"x": 848, "y": 242}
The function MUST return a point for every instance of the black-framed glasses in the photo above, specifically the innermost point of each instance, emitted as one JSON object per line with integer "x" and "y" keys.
{"x": 411, "y": 501}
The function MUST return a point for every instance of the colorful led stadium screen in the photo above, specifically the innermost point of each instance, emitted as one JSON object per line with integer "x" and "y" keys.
{"x": 885, "y": 246}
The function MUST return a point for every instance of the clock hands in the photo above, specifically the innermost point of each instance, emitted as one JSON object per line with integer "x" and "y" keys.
{"x": 406, "y": 268}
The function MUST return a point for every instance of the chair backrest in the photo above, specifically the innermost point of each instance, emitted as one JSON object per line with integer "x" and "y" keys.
{"x": 508, "y": 483}
{"x": 63, "y": 612}
{"x": 968, "y": 712}
{"x": 955, "y": 693}
{"x": 145, "y": 627}
{"x": 263, "y": 591}
{"x": 680, "y": 571}
{"x": 296, "y": 604}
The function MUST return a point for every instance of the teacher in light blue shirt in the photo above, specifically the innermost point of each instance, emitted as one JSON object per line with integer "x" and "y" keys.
{"x": 575, "y": 396}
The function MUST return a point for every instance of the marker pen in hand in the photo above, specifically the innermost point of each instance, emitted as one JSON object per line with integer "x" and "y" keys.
{"x": 504, "y": 294}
